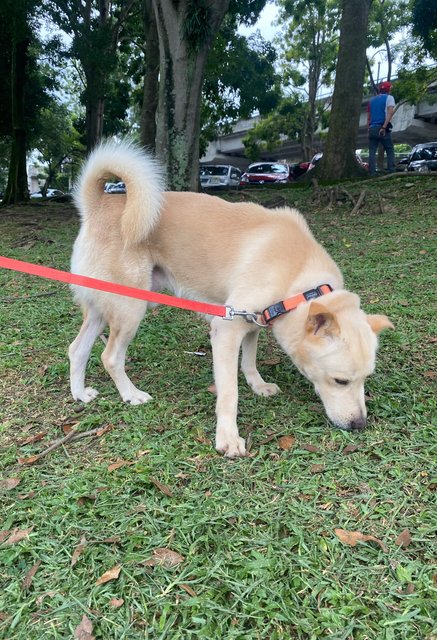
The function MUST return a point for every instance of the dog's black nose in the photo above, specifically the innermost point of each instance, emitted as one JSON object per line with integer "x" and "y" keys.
{"x": 358, "y": 424}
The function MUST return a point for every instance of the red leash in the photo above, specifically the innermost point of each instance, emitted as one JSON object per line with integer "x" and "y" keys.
{"x": 120, "y": 289}
{"x": 222, "y": 311}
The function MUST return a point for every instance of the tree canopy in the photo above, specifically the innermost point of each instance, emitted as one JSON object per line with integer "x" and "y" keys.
{"x": 177, "y": 75}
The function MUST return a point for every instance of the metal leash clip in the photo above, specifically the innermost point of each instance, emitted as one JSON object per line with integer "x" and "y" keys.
{"x": 251, "y": 317}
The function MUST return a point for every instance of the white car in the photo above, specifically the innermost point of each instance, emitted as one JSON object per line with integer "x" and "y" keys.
{"x": 118, "y": 187}
{"x": 50, "y": 193}
{"x": 219, "y": 175}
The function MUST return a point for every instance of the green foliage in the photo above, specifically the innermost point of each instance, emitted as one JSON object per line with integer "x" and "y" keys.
{"x": 240, "y": 79}
{"x": 39, "y": 76}
{"x": 309, "y": 40}
{"x": 425, "y": 24}
{"x": 59, "y": 142}
{"x": 196, "y": 25}
{"x": 309, "y": 43}
{"x": 386, "y": 20}
{"x": 286, "y": 121}
{"x": 412, "y": 86}
{"x": 245, "y": 11}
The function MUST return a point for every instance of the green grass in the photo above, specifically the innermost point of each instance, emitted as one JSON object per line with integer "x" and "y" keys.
{"x": 260, "y": 555}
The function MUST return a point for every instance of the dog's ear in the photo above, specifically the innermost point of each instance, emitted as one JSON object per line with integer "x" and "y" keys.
{"x": 378, "y": 323}
{"x": 320, "y": 321}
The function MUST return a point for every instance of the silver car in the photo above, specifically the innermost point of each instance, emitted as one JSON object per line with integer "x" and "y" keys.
{"x": 423, "y": 158}
{"x": 219, "y": 175}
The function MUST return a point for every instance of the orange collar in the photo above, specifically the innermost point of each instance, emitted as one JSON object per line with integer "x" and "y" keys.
{"x": 284, "y": 306}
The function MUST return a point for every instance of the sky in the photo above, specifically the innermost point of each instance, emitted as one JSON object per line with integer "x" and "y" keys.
{"x": 264, "y": 24}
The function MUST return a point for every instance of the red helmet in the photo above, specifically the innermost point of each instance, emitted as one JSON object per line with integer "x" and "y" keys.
{"x": 384, "y": 87}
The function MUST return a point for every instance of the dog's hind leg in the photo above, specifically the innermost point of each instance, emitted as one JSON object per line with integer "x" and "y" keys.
{"x": 79, "y": 352}
{"x": 226, "y": 340}
{"x": 249, "y": 369}
{"x": 122, "y": 330}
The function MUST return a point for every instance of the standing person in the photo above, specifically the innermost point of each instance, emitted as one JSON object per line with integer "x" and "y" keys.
{"x": 379, "y": 114}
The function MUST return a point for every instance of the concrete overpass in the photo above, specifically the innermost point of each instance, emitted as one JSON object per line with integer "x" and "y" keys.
{"x": 412, "y": 124}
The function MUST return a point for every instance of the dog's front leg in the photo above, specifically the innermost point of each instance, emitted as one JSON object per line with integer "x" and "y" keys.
{"x": 226, "y": 338}
{"x": 248, "y": 367}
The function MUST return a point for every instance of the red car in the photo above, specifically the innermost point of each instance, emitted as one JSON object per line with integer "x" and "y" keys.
{"x": 267, "y": 173}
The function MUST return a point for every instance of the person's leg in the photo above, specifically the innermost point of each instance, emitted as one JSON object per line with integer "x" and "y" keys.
{"x": 389, "y": 148}
{"x": 374, "y": 140}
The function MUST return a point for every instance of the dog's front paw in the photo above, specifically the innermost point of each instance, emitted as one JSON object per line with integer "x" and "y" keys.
{"x": 86, "y": 395}
{"x": 231, "y": 446}
{"x": 137, "y": 397}
{"x": 266, "y": 389}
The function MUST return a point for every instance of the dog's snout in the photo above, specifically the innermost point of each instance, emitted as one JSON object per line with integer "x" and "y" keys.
{"x": 358, "y": 424}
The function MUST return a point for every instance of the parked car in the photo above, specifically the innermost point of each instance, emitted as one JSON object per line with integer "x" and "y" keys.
{"x": 108, "y": 186}
{"x": 50, "y": 193}
{"x": 315, "y": 159}
{"x": 299, "y": 168}
{"x": 213, "y": 176}
{"x": 267, "y": 173}
{"x": 423, "y": 158}
{"x": 118, "y": 187}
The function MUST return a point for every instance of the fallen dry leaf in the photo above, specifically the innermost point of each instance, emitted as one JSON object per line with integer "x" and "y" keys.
{"x": 312, "y": 448}
{"x": 116, "y": 603}
{"x": 78, "y": 551}
{"x": 409, "y": 589}
{"x": 350, "y": 448}
{"x": 47, "y": 594}
{"x": 4, "y": 533}
{"x": 143, "y": 452}
{"x": 317, "y": 468}
{"x": 84, "y": 630}
{"x": 111, "y": 574}
{"x": 112, "y": 540}
{"x": 404, "y": 539}
{"x": 107, "y": 427}
{"x": 24, "y": 496}
{"x": 353, "y": 537}
{"x": 85, "y": 499}
{"x": 31, "y": 439}
{"x": 188, "y": 589}
{"x": 10, "y": 483}
{"x": 29, "y": 576}
{"x": 286, "y": 442}
{"x": 17, "y": 535}
{"x": 30, "y": 460}
{"x": 162, "y": 487}
{"x": 118, "y": 464}
{"x": 165, "y": 557}
{"x": 68, "y": 427}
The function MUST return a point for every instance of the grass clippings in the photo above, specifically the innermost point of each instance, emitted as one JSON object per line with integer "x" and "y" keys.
{"x": 206, "y": 547}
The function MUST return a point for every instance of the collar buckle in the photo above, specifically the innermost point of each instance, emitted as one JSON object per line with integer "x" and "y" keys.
{"x": 284, "y": 306}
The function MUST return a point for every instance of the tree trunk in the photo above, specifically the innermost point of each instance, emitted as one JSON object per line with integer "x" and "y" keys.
{"x": 17, "y": 190}
{"x": 95, "y": 109}
{"x": 151, "y": 75}
{"x": 183, "y": 56}
{"x": 339, "y": 159}
{"x": 95, "y": 43}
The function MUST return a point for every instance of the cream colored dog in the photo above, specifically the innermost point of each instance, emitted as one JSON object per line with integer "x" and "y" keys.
{"x": 206, "y": 249}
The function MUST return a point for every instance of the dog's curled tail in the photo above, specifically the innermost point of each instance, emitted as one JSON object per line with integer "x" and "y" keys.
{"x": 144, "y": 180}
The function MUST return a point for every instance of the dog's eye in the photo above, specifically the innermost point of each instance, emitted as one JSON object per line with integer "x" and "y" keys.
{"x": 342, "y": 382}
